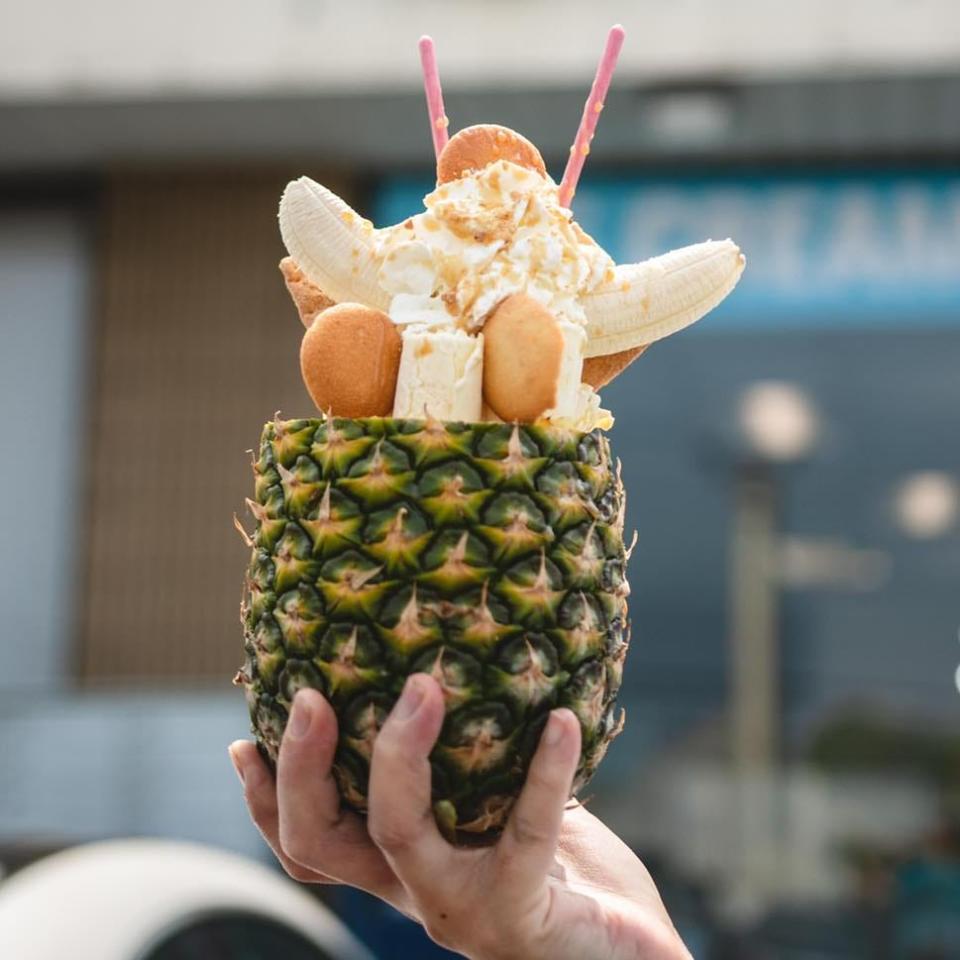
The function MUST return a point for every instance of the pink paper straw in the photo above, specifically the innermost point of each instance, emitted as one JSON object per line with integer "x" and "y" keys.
{"x": 431, "y": 86}
{"x": 591, "y": 114}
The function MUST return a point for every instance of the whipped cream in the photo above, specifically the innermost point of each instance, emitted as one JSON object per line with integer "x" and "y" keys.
{"x": 481, "y": 238}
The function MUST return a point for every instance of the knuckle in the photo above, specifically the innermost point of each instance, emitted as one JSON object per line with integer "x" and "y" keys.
{"x": 296, "y": 871}
{"x": 541, "y": 780}
{"x": 258, "y": 795}
{"x": 257, "y": 813}
{"x": 266, "y": 824}
{"x": 500, "y": 941}
{"x": 526, "y": 830}
{"x": 443, "y": 936}
{"x": 289, "y": 749}
{"x": 386, "y": 748}
{"x": 295, "y": 847}
{"x": 393, "y": 835}
{"x": 447, "y": 925}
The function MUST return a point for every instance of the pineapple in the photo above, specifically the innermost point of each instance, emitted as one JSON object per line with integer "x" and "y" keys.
{"x": 487, "y": 555}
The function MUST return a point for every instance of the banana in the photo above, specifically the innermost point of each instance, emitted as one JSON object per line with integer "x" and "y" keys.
{"x": 650, "y": 300}
{"x": 331, "y": 243}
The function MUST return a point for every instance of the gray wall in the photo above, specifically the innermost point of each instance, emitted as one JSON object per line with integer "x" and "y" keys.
{"x": 43, "y": 314}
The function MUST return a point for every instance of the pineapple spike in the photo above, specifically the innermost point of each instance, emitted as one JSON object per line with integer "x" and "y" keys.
{"x": 543, "y": 581}
{"x": 360, "y": 578}
{"x": 622, "y": 509}
{"x": 460, "y": 550}
{"x": 588, "y": 539}
{"x": 409, "y": 630}
{"x": 604, "y": 450}
{"x": 436, "y": 671}
{"x": 247, "y": 539}
{"x": 514, "y": 448}
{"x": 588, "y": 614}
{"x": 397, "y": 525}
{"x": 258, "y": 510}
{"x": 619, "y": 725}
{"x": 535, "y": 675}
{"x": 410, "y": 616}
{"x": 323, "y": 511}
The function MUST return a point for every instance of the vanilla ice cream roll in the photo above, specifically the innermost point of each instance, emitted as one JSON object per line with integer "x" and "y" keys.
{"x": 441, "y": 374}
{"x": 592, "y": 415}
{"x": 569, "y": 398}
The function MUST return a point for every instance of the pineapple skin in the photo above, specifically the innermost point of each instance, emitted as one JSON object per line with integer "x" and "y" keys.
{"x": 488, "y": 555}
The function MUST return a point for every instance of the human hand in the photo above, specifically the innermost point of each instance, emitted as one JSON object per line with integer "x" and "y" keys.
{"x": 558, "y": 884}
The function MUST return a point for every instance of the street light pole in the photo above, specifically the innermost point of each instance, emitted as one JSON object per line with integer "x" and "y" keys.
{"x": 754, "y": 702}
{"x": 754, "y": 654}
{"x": 779, "y": 426}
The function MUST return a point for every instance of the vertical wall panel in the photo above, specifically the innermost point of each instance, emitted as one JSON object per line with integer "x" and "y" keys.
{"x": 43, "y": 321}
{"x": 197, "y": 345}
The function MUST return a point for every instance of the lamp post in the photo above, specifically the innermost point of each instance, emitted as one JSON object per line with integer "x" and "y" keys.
{"x": 778, "y": 426}
{"x": 754, "y": 653}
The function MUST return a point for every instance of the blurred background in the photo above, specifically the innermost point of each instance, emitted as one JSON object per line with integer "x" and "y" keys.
{"x": 790, "y": 768}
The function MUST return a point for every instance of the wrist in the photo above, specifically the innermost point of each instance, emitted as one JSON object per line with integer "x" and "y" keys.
{"x": 664, "y": 944}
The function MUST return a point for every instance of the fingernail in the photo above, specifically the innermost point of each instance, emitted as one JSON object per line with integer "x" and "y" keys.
{"x": 556, "y": 729}
{"x": 410, "y": 700}
{"x": 300, "y": 719}
{"x": 236, "y": 763}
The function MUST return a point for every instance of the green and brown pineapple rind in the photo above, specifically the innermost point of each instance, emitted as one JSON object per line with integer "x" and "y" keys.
{"x": 488, "y": 555}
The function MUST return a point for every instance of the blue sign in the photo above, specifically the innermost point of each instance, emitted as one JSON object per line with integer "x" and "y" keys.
{"x": 831, "y": 251}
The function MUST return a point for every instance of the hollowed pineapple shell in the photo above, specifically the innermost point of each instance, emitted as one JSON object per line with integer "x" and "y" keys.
{"x": 488, "y": 555}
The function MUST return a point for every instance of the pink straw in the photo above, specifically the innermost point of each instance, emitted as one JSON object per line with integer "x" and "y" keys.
{"x": 431, "y": 86}
{"x": 591, "y": 114}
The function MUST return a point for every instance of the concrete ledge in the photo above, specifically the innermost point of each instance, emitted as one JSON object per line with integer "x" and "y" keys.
{"x": 706, "y": 119}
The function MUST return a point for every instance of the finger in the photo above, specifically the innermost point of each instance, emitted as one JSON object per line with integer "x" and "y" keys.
{"x": 305, "y": 786}
{"x": 314, "y": 830}
{"x": 401, "y": 819}
{"x": 526, "y": 849}
{"x": 261, "y": 797}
